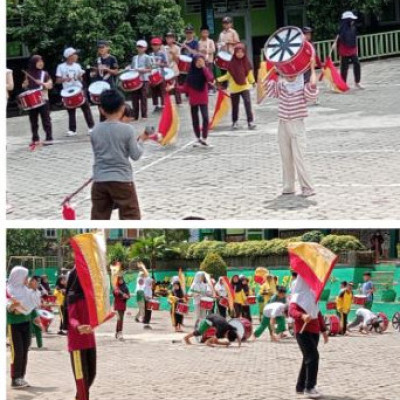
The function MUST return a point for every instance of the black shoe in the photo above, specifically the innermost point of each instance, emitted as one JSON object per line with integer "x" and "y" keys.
{"x": 235, "y": 126}
{"x": 252, "y": 126}
{"x": 62, "y": 333}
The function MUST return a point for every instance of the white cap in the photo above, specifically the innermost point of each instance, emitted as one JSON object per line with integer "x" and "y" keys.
{"x": 141, "y": 43}
{"x": 69, "y": 52}
{"x": 349, "y": 15}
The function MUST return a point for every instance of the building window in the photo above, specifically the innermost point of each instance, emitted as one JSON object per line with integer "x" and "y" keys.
{"x": 50, "y": 234}
{"x": 254, "y": 234}
{"x": 116, "y": 234}
{"x": 224, "y": 6}
{"x": 295, "y": 13}
{"x": 390, "y": 12}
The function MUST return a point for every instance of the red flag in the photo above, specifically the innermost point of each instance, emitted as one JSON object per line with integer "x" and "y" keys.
{"x": 222, "y": 106}
{"x": 266, "y": 72}
{"x": 333, "y": 77}
{"x": 313, "y": 262}
{"x": 168, "y": 125}
{"x": 68, "y": 212}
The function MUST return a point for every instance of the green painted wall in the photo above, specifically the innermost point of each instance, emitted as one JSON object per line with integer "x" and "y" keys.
{"x": 263, "y": 22}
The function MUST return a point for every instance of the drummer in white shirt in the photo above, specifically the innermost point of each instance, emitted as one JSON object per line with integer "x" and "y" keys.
{"x": 365, "y": 320}
{"x": 228, "y": 38}
{"x": 70, "y": 74}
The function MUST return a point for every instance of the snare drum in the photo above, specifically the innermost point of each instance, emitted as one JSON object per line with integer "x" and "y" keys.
{"x": 169, "y": 75}
{"x": 182, "y": 308}
{"x": 130, "y": 81}
{"x": 223, "y": 302}
{"x": 73, "y": 97}
{"x": 184, "y": 64}
{"x": 332, "y": 323}
{"x": 243, "y": 327}
{"x": 383, "y": 321}
{"x": 288, "y": 49}
{"x": 359, "y": 299}
{"x": 331, "y": 305}
{"x": 49, "y": 300}
{"x": 222, "y": 60}
{"x": 155, "y": 77}
{"x": 46, "y": 318}
{"x": 251, "y": 299}
{"x": 206, "y": 303}
{"x": 31, "y": 99}
{"x": 153, "y": 305}
{"x": 96, "y": 89}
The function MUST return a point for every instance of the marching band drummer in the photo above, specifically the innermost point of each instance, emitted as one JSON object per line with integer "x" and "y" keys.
{"x": 228, "y": 38}
{"x": 160, "y": 61}
{"x": 177, "y": 296}
{"x": 190, "y": 47}
{"x": 70, "y": 74}
{"x": 199, "y": 289}
{"x": 220, "y": 292}
{"x": 38, "y": 78}
{"x": 106, "y": 67}
{"x": 207, "y": 47}
{"x": 365, "y": 320}
{"x": 142, "y": 64}
{"x": 173, "y": 52}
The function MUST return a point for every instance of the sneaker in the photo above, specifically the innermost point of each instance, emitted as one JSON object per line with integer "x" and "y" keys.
{"x": 252, "y": 126}
{"x": 307, "y": 192}
{"x": 89, "y": 132}
{"x": 156, "y": 109}
{"x": 203, "y": 143}
{"x": 19, "y": 383}
{"x": 48, "y": 142}
{"x": 71, "y": 133}
{"x": 235, "y": 126}
{"x": 359, "y": 86}
{"x": 25, "y": 382}
{"x": 312, "y": 394}
{"x": 62, "y": 333}
{"x": 287, "y": 193}
{"x": 197, "y": 144}
{"x": 137, "y": 319}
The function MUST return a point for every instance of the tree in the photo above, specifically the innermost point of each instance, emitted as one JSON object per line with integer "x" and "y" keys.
{"x": 214, "y": 265}
{"x": 118, "y": 252}
{"x": 26, "y": 242}
{"x": 48, "y": 26}
{"x": 324, "y": 15}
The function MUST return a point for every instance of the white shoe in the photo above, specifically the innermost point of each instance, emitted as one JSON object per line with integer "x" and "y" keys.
{"x": 307, "y": 192}
{"x": 71, "y": 133}
{"x": 89, "y": 132}
{"x": 312, "y": 394}
{"x": 197, "y": 144}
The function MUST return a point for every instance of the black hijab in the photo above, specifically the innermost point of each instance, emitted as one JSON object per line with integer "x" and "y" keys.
{"x": 178, "y": 292}
{"x": 74, "y": 292}
{"x": 348, "y": 33}
{"x": 59, "y": 285}
{"x": 237, "y": 286}
{"x": 195, "y": 78}
{"x": 122, "y": 287}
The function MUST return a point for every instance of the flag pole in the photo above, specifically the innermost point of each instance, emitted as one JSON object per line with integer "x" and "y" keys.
{"x": 303, "y": 327}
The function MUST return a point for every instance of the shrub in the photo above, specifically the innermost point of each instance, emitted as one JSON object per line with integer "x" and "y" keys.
{"x": 214, "y": 265}
{"x": 312, "y": 236}
{"x": 197, "y": 251}
{"x": 339, "y": 243}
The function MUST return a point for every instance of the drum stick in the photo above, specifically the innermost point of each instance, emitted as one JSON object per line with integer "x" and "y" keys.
{"x": 30, "y": 76}
{"x": 68, "y": 198}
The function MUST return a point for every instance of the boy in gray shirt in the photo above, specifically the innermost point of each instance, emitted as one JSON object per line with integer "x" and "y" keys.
{"x": 114, "y": 143}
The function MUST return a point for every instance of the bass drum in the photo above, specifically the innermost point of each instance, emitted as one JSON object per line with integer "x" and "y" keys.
{"x": 243, "y": 327}
{"x": 332, "y": 323}
{"x": 383, "y": 321}
{"x": 210, "y": 332}
{"x": 396, "y": 321}
{"x": 46, "y": 318}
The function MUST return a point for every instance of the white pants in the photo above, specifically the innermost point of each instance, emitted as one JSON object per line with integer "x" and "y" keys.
{"x": 292, "y": 144}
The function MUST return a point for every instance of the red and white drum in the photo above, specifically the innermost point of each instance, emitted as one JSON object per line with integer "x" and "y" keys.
{"x": 243, "y": 327}
{"x": 224, "y": 302}
{"x": 96, "y": 89}
{"x": 184, "y": 64}
{"x": 169, "y": 75}
{"x": 46, "y": 318}
{"x": 331, "y": 305}
{"x": 359, "y": 299}
{"x": 182, "y": 308}
{"x": 130, "y": 81}
{"x": 332, "y": 323}
{"x": 73, "y": 97}
{"x": 31, "y": 99}
{"x": 153, "y": 305}
{"x": 222, "y": 60}
{"x": 251, "y": 299}
{"x": 49, "y": 300}
{"x": 288, "y": 49}
{"x": 383, "y": 321}
{"x": 155, "y": 77}
{"x": 206, "y": 303}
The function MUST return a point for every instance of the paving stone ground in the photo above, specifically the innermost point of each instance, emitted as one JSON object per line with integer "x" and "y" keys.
{"x": 353, "y": 150}
{"x": 148, "y": 366}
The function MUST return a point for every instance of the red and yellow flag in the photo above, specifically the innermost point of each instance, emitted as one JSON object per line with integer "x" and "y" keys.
{"x": 91, "y": 267}
{"x": 116, "y": 269}
{"x": 222, "y": 106}
{"x": 313, "y": 262}
{"x": 266, "y": 72}
{"x": 333, "y": 77}
{"x": 168, "y": 125}
{"x": 182, "y": 280}
{"x": 229, "y": 291}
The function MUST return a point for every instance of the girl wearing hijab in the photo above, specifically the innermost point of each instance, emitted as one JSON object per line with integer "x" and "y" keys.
{"x": 240, "y": 298}
{"x": 346, "y": 42}
{"x": 80, "y": 335}
{"x": 21, "y": 305}
{"x": 240, "y": 79}
{"x": 246, "y": 312}
{"x": 148, "y": 295}
{"x": 196, "y": 88}
{"x": 121, "y": 296}
{"x": 59, "y": 293}
{"x": 308, "y": 323}
{"x": 220, "y": 292}
{"x": 39, "y": 79}
{"x": 177, "y": 296}
{"x": 140, "y": 296}
{"x": 292, "y": 95}
{"x": 199, "y": 288}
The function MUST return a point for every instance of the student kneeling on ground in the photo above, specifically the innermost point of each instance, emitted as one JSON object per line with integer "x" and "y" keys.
{"x": 114, "y": 143}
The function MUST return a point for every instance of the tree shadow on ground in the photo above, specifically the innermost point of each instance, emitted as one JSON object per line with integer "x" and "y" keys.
{"x": 289, "y": 202}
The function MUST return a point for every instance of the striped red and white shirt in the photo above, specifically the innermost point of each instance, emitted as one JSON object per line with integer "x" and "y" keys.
{"x": 292, "y": 105}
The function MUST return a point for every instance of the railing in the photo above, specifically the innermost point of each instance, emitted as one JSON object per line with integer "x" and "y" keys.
{"x": 369, "y": 46}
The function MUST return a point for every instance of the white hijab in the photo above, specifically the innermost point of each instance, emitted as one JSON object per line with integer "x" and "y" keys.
{"x": 220, "y": 288}
{"x": 296, "y": 85}
{"x": 17, "y": 289}
{"x": 304, "y": 298}
{"x": 148, "y": 287}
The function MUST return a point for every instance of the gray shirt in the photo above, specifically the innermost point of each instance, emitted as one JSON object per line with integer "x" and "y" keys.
{"x": 142, "y": 61}
{"x": 113, "y": 144}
